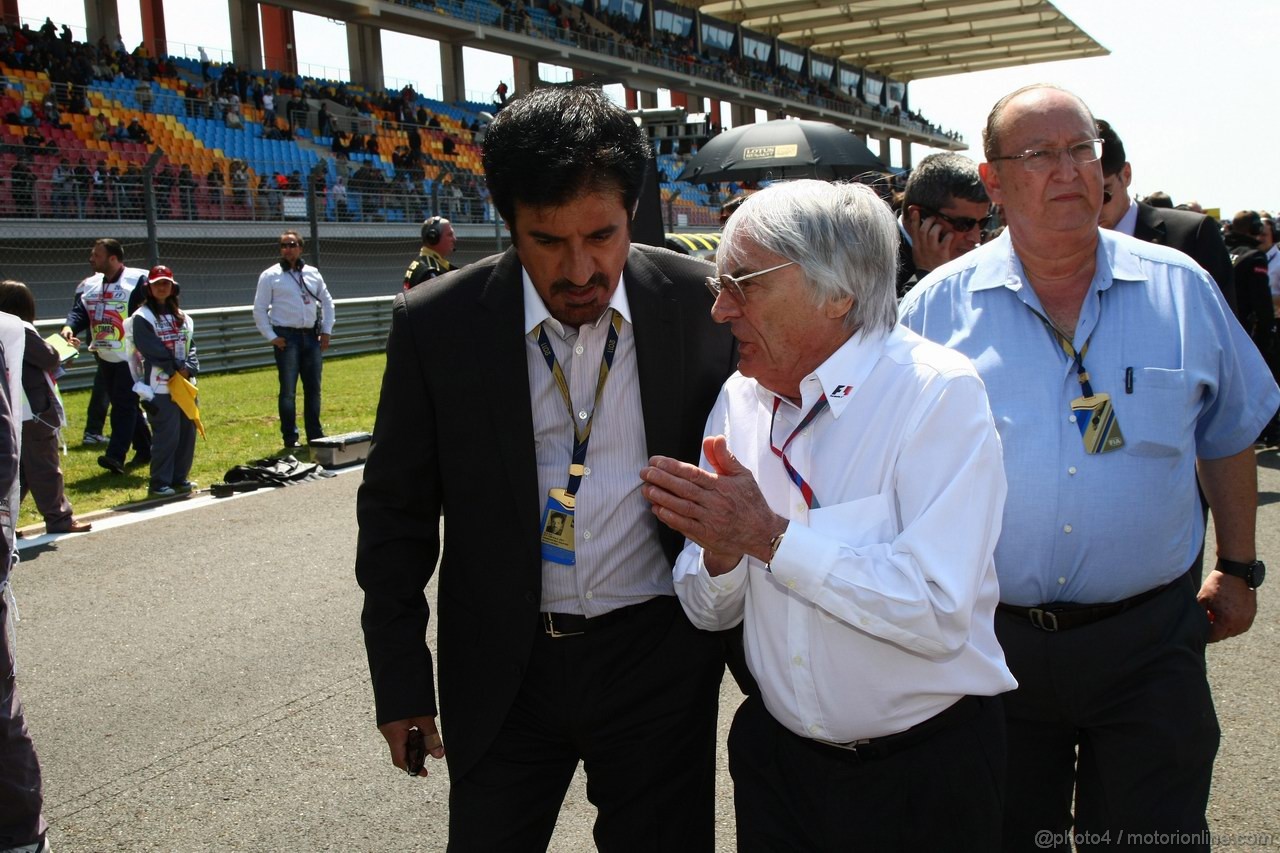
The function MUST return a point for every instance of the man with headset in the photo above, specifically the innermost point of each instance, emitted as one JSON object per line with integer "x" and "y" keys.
{"x": 294, "y": 311}
{"x": 438, "y": 241}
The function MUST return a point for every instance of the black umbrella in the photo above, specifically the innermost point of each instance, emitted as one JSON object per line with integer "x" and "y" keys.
{"x": 784, "y": 148}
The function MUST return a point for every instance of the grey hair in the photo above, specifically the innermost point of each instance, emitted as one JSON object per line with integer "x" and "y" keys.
{"x": 842, "y": 236}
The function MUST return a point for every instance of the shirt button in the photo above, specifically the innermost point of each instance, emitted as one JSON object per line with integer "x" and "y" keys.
{"x": 586, "y": 472}
{"x": 797, "y": 660}
{"x": 590, "y": 595}
{"x": 586, "y": 534}
{"x": 1072, "y": 470}
{"x": 582, "y": 416}
{"x": 1072, "y": 418}
{"x": 801, "y": 508}
{"x": 578, "y": 350}
{"x": 791, "y": 584}
{"x": 814, "y": 729}
{"x": 1066, "y": 528}
{"x": 1061, "y": 581}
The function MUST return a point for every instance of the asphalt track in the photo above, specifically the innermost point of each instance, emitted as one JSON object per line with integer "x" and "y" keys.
{"x": 195, "y": 681}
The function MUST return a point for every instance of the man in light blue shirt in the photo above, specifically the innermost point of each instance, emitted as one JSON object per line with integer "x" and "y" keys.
{"x": 1115, "y": 371}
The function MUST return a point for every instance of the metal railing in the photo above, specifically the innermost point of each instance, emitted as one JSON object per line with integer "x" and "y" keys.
{"x": 226, "y": 338}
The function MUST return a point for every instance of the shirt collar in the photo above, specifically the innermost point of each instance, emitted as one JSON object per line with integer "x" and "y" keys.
{"x": 1129, "y": 222}
{"x": 535, "y": 310}
{"x": 842, "y": 375}
{"x": 999, "y": 266}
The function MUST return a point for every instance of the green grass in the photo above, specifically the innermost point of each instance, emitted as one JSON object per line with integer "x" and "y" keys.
{"x": 239, "y": 415}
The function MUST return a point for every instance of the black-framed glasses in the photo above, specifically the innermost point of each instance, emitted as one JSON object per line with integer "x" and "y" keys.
{"x": 289, "y": 244}
{"x": 733, "y": 283}
{"x": 1043, "y": 159}
{"x": 963, "y": 224}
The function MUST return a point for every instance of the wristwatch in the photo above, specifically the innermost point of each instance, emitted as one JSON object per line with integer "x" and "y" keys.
{"x": 1252, "y": 573}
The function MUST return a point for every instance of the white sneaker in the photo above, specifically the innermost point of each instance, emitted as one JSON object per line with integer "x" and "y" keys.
{"x": 94, "y": 438}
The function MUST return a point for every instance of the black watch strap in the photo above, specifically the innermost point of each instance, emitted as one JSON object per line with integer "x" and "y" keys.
{"x": 1253, "y": 573}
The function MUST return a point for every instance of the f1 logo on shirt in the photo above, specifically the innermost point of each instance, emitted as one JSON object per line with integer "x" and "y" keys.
{"x": 841, "y": 391}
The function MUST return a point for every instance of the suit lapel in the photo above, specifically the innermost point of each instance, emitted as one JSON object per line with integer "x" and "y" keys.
{"x": 1149, "y": 227}
{"x": 504, "y": 368}
{"x": 659, "y": 352}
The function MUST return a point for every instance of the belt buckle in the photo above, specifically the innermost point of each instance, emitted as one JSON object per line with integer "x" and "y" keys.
{"x": 549, "y": 625}
{"x": 1045, "y": 620}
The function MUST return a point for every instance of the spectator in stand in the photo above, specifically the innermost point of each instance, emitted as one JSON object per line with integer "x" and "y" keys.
{"x": 23, "y": 187}
{"x": 101, "y": 127}
{"x": 324, "y": 124}
{"x": 138, "y": 133}
{"x": 98, "y": 190}
{"x": 62, "y": 178}
{"x": 27, "y": 116}
{"x": 42, "y": 417}
{"x": 121, "y": 133}
{"x": 268, "y": 107}
{"x": 142, "y": 91}
{"x": 337, "y": 200}
{"x": 187, "y": 192}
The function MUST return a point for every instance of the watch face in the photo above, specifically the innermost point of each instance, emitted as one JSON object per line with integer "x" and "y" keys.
{"x": 1257, "y": 574}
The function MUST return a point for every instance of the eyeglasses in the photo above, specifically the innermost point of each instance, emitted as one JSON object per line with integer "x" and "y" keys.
{"x": 733, "y": 283}
{"x": 963, "y": 224}
{"x": 1043, "y": 159}
{"x": 291, "y": 244}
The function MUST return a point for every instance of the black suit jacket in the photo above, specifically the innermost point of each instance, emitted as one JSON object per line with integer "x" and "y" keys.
{"x": 454, "y": 435}
{"x": 1193, "y": 234}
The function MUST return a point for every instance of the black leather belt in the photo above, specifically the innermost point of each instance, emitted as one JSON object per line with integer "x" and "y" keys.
{"x": 575, "y": 624}
{"x": 873, "y": 749}
{"x": 1064, "y": 617}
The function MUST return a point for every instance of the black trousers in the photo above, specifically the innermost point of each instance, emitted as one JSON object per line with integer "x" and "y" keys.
{"x": 1117, "y": 713}
{"x": 128, "y": 426}
{"x": 791, "y": 794}
{"x": 21, "y": 793}
{"x": 636, "y": 702}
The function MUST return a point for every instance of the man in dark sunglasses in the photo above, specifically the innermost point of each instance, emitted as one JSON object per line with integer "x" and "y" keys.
{"x": 944, "y": 212}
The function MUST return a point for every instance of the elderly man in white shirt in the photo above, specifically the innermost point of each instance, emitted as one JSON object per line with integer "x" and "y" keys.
{"x": 847, "y": 509}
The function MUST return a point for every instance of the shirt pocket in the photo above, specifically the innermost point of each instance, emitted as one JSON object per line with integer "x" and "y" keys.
{"x": 1154, "y": 417}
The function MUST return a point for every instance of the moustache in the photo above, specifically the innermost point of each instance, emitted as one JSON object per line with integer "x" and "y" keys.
{"x": 563, "y": 285}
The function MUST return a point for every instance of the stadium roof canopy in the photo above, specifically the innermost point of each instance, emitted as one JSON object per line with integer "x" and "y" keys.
{"x": 914, "y": 39}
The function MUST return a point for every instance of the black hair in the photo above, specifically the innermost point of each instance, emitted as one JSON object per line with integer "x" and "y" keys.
{"x": 940, "y": 178}
{"x": 169, "y": 306}
{"x": 1159, "y": 199}
{"x": 1113, "y": 157}
{"x": 551, "y": 145}
{"x": 16, "y": 299}
{"x": 113, "y": 247}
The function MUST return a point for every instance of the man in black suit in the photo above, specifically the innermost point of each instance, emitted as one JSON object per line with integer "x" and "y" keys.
{"x": 531, "y": 385}
{"x": 1193, "y": 234}
{"x": 944, "y": 212}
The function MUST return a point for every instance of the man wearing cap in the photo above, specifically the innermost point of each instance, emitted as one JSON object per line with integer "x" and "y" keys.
{"x": 438, "y": 241}
{"x": 106, "y": 298}
{"x": 294, "y": 312}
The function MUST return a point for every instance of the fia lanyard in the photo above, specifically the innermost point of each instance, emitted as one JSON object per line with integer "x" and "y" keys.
{"x": 1077, "y": 358}
{"x": 581, "y": 435}
{"x": 781, "y": 452}
{"x": 306, "y": 291}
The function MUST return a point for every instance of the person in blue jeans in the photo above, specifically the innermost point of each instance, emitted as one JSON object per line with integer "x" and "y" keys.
{"x": 294, "y": 311}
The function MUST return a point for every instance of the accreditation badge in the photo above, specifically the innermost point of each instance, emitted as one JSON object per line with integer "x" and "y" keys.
{"x": 1096, "y": 418}
{"x": 557, "y": 528}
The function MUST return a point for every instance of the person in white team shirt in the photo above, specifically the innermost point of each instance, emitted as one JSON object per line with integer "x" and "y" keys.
{"x": 106, "y": 298}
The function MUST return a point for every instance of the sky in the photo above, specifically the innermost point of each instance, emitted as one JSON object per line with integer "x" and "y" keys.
{"x": 1186, "y": 85}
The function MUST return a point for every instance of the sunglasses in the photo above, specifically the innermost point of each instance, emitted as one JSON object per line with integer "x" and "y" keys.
{"x": 292, "y": 244}
{"x": 733, "y": 283}
{"x": 960, "y": 223}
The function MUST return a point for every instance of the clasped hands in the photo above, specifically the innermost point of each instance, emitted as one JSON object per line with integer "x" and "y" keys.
{"x": 721, "y": 510}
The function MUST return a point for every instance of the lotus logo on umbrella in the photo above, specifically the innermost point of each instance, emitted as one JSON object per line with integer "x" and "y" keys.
{"x": 785, "y": 148}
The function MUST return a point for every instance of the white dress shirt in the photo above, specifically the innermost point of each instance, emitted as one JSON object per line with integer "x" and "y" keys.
{"x": 1129, "y": 222}
{"x": 618, "y": 558}
{"x": 877, "y": 610}
{"x": 281, "y": 300}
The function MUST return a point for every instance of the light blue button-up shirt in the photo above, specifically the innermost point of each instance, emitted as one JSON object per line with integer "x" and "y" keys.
{"x": 1184, "y": 378}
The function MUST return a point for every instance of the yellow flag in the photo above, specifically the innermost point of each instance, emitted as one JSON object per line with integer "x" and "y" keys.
{"x": 182, "y": 392}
